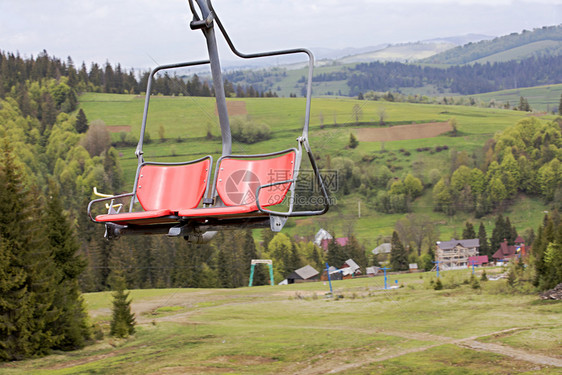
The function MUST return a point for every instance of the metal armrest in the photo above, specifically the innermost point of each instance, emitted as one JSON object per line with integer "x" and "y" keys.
{"x": 103, "y": 200}
{"x": 290, "y": 213}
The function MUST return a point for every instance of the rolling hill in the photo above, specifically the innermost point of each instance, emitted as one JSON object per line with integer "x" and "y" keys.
{"x": 546, "y": 41}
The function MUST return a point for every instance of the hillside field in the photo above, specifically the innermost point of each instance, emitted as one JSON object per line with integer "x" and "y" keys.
{"x": 296, "y": 329}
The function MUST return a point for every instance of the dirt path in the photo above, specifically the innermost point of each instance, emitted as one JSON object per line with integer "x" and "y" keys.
{"x": 320, "y": 365}
{"x": 403, "y": 132}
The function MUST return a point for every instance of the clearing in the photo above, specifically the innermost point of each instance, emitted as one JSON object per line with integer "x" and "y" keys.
{"x": 403, "y": 132}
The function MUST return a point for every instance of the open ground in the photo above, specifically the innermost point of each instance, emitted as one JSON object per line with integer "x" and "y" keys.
{"x": 296, "y": 329}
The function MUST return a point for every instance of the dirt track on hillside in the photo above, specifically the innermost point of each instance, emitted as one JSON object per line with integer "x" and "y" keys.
{"x": 403, "y": 132}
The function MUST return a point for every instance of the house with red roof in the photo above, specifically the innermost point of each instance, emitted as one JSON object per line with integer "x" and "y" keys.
{"x": 507, "y": 252}
{"x": 478, "y": 260}
{"x": 342, "y": 241}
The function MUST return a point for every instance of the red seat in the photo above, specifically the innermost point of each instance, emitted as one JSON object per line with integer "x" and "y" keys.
{"x": 237, "y": 181}
{"x": 164, "y": 189}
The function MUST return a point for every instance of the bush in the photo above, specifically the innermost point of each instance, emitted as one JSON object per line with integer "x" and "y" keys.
{"x": 484, "y": 277}
{"x": 249, "y": 132}
{"x": 438, "y": 285}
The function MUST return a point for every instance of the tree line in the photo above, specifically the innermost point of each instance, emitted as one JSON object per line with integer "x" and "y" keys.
{"x": 461, "y": 79}
{"x": 19, "y": 77}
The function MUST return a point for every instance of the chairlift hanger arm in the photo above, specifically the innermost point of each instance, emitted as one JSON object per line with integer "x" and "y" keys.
{"x": 209, "y": 15}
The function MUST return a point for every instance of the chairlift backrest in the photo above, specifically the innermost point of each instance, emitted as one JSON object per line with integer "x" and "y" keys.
{"x": 239, "y": 178}
{"x": 173, "y": 187}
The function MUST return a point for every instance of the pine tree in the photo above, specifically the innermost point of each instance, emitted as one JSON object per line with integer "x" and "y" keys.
{"x": 353, "y": 142}
{"x": 560, "y": 106}
{"x": 498, "y": 234}
{"x": 72, "y": 323}
{"x": 27, "y": 290}
{"x": 336, "y": 255}
{"x": 468, "y": 232}
{"x": 482, "y": 236}
{"x": 123, "y": 320}
{"x": 81, "y": 124}
{"x": 398, "y": 254}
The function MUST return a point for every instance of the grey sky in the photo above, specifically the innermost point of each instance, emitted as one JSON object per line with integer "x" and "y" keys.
{"x": 143, "y": 33}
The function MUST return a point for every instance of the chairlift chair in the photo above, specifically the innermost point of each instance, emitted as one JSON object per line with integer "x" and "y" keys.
{"x": 179, "y": 199}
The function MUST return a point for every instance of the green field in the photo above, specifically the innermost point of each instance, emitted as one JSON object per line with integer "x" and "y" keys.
{"x": 540, "y": 98}
{"x": 296, "y": 329}
{"x": 186, "y": 120}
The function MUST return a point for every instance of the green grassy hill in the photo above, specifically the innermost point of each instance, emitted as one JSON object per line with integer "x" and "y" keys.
{"x": 185, "y": 121}
{"x": 541, "y": 98}
{"x": 295, "y": 329}
{"x": 541, "y": 41}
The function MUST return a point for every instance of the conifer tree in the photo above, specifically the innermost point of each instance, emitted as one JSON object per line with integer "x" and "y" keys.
{"x": 398, "y": 254}
{"x": 498, "y": 234}
{"x": 72, "y": 323}
{"x": 336, "y": 255}
{"x": 123, "y": 320}
{"x": 482, "y": 236}
{"x": 81, "y": 124}
{"x": 27, "y": 285}
{"x": 468, "y": 232}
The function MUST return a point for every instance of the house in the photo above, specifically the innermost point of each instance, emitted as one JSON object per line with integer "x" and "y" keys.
{"x": 372, "y": 271}
{"x": 335, "y": 274}
{"x": 454, "y": 254}
{"x": 350, "y": 269}
{"x": 479, "y": 260}
{"x": 382, "y": 249}
{"x": 321, "y": 235}
{"x": 507, "y": 252}
{"x": 342, "y": 241}
{"x": 303, "y": 274}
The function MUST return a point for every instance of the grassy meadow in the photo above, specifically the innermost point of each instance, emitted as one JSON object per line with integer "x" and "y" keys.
{"x": 296, "y": 329}
{"x": 186, "y": 121}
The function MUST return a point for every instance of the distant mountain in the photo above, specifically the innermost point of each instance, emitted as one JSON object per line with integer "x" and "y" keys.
{"x": 400, "y": 52}
{"x": 545, "y": 41}
{"x": 404, "y": 52}
{"x": 461, "y": 39}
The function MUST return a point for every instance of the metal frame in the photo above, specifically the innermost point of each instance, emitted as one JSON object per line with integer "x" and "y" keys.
{"x": 188, "y": 226}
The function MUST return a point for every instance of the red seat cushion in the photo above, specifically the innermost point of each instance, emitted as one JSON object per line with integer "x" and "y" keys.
{"x": 218, "y": 211}
{"x": 144, "y": 217}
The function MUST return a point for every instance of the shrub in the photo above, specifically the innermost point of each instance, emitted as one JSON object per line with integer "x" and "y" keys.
{"x": 249, "y": 132}
{"x": 484, "y": 277}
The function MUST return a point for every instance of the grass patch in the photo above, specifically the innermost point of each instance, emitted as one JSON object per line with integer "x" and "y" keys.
{"x": 266, "y": 330}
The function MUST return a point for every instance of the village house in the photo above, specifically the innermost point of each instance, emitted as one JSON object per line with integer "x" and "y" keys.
{"x": 303, "y": 274}
{"x": 507, "y": 252}
{"x": 350, "y": 269}
{"x": 478, "y": 260}
{"x": 382, "y": 249}
{"x": 323, "y": 238}
{"x": 455, "y": 254}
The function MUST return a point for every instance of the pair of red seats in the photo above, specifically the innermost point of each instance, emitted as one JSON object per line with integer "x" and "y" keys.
{"x": 170, "y": 192}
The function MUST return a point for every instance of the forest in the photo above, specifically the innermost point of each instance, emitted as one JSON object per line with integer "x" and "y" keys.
{"x": 52, "y": 156}
{"x": 462, "y": 79}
